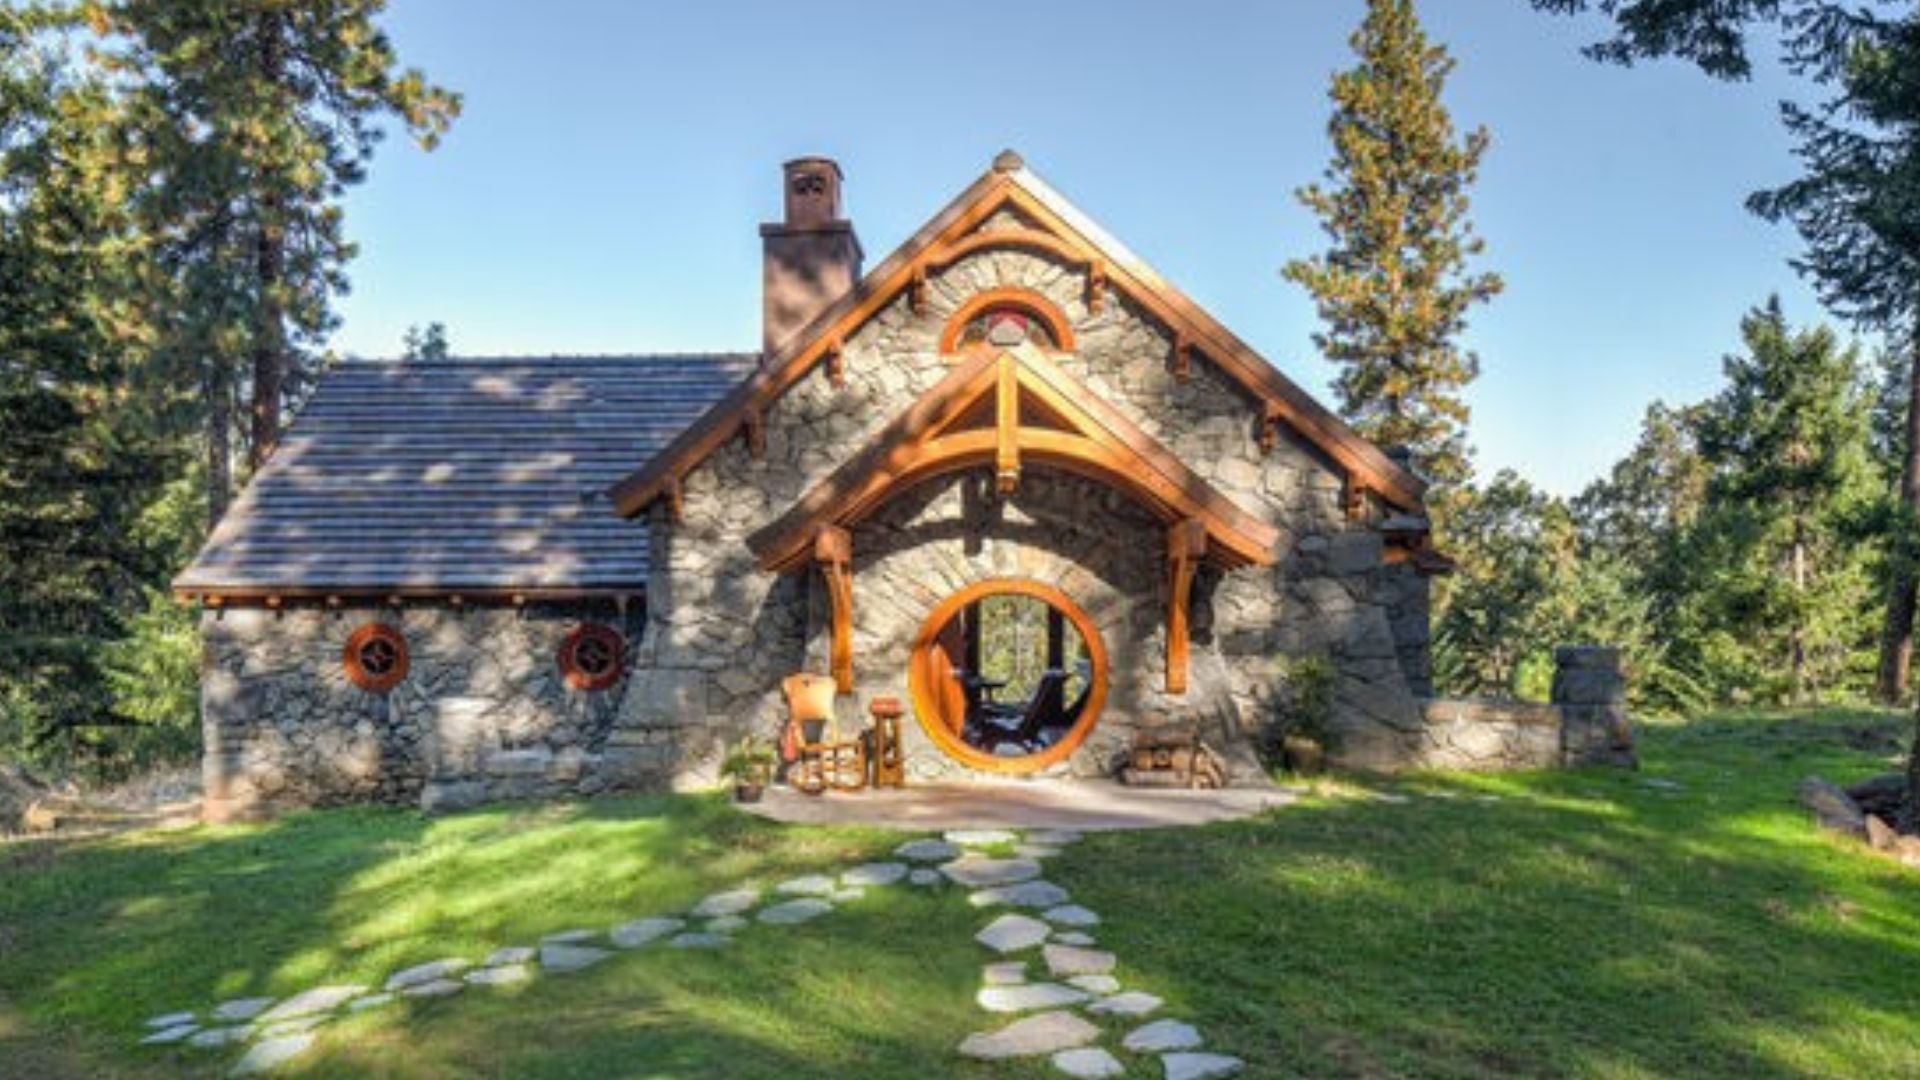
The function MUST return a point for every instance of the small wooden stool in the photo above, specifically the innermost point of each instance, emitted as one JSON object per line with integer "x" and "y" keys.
{"x": 886, "y": 760}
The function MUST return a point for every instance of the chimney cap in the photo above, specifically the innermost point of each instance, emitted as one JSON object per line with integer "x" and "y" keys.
{"x": 813, "y": 159}
{"x": 1008, "y": 161}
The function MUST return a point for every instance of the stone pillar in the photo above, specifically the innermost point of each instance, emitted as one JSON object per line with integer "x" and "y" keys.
{"x": 1590, "y": 690}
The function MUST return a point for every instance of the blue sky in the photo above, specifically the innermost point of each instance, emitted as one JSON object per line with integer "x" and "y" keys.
{"x": 602, "y": 191}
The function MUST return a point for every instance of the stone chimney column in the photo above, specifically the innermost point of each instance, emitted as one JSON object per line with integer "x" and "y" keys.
{"x": 811, "y": 258}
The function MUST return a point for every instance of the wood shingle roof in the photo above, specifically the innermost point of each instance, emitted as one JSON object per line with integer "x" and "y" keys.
{"x": 469, "y": 474}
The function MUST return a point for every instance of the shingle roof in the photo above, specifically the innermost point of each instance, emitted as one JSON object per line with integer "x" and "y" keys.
{"x": 474, "y": 474}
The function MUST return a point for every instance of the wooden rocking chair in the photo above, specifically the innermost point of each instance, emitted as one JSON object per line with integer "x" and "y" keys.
{"x": 826, "y": 760}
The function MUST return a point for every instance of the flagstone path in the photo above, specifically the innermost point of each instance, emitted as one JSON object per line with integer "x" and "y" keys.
{"x": 1047, "y": 972}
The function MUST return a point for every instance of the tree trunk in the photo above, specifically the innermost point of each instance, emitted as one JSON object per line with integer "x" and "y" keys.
{"x": 1896, "y": 642}
{"x": 269, "y": 260}
{"x": 1797, "y": 634}
{"x": 219, "y": 402}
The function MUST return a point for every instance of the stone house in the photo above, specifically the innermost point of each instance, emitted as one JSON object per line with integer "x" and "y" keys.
{"x": 1009, "y": 475}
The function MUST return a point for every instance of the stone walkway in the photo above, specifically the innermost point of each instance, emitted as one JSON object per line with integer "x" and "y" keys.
{"x": 1050, "y": 1004}
{"x": 1078, "y": 805}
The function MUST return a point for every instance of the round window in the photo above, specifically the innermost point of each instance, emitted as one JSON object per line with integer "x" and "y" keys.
{"x": 591, "y": 657}
{"x": 1008, "y": 676}
{"x": 375, "y": 657}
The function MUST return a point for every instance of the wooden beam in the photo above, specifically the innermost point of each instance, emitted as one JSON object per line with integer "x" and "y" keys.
{"x": 1186, "y": 545}
{"x": 833, "y": 551}
{"x": 1006, "y": 455}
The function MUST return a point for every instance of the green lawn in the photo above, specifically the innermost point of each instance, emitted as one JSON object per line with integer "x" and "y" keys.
{"x": 1585, "y": 924}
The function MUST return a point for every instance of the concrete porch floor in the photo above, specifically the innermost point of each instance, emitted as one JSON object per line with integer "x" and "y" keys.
{"x": 1081, "y": 805}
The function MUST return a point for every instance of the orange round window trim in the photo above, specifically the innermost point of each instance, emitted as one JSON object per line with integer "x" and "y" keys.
{"x": 921, "y": 674}
{"x": 1009, "y": 298}
{"x": 375, "y": 657}
{"x": 592, "y": 657}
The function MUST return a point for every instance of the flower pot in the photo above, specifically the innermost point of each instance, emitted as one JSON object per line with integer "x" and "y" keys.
{"x": 1303, "y": 755}
{"x": 748, "y": 792}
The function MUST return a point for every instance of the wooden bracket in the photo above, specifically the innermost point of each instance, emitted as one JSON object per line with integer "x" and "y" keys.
{"x": 1182, "y": 358}
{"x": 1006, "y": 454}
{"x": 676, "y": 500}
{"x": 1353, "y": 499}
{"x": 917, "y": 290}
{"x": 837, "y": 363}
{"x": 1096, "y": 286}
{"x": 1269, "y": 429}
{"x": 754, "y": 427}
{"x": 833, "y": 551}
{"x": 1186, "y": 545}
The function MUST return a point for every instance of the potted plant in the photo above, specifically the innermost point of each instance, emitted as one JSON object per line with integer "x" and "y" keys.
{"x": 749, "y": 764}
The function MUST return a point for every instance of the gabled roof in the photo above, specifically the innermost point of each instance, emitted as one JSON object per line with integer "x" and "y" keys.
{"x": 1065, "y": 232}
{"x": 464, "y": 475}
{"x": 999, "y": 409}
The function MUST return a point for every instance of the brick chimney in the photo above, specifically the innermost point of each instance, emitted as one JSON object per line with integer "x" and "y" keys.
{"x": 812, "y": 258}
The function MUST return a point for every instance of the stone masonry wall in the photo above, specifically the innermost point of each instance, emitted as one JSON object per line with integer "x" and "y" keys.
{"x": 1585, "y": 723}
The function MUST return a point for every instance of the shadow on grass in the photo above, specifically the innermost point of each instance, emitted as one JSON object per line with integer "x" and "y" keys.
{"x": 1585, "y": 924}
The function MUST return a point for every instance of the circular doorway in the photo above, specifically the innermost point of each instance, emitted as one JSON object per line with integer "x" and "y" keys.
{"x": 1008, "y": 676}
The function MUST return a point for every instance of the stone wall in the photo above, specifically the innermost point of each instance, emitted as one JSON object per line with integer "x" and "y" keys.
{"x": 1585, "y": 724}
{"x": 482, "y": 713}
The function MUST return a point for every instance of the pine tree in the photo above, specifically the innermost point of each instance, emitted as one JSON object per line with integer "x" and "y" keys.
{"x": 254, "y": 116}
{"x": 1394, "y": 288}
{"x": 1789, "y": 443}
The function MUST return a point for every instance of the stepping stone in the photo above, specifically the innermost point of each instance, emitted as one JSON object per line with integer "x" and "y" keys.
{"x": 219, "y": 1036}
{"x": 1070, "y": 915}
{"x": 319, "y": 999}
{"x": 726, "y": 924}
{"x": 1005, "y": 973}
{"x": 795, "y": 911}
{"x": 1096, "y": 984}
{"x": 374, "y": 1001}
{"x": 1053, "y": 837}
{"x": 500, "y": 976}
{"x": 1393, "y": 797}
{"x": 1088, "y": 1063}
{"x": 436, "y": 988}
{"x": 569, "y": 937}
{"x": 241, "y": 1008}
{"x": 927, "y": 851}
{"x": 1028, "y": 997}
{"x": 1011, "y": 933}
{"x": 1131, "y": 1003}
{"x": 1035, "y": 851}
{"x": 980, "y": 837}
{"x": 731, "y": 902}
{"x": 173, "y": 1019}
{"x": 694, "y": 939}
{"x": 513, "y": 954}
{"x": 170, "y": 1035}
{"x": 421, "y": 974}
{"x": 1200, "y": 1066}
{"x": 1073, "y": 937}
{"x": 979, "y": 872}
{"x": 290, "y": 1027}
{"x": 639, "y": 932}
{"x": 811, "y": 885}
{"x": 565, "y": 958}
{"x": 269, "y": 1054}
{"x": 1027, "y": 894}
{"x": 1074, "y": 960}
{"x": 1162, "y": 1035}
{"x": 841, "y": 896}
{"x": 878, "y": 873}
{"x": 924, "y": 876}
{"x": 1030, "y": 1036}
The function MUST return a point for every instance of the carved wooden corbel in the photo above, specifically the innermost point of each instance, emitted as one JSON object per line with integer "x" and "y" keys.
{"x": 676, "y": 500}
{"x": 1182, "y": 362}
{"x": 1269, "y": 429}
{"x": 1186, "y": 545}
{"x": 754, "y": 427}
{"x": 1096, "y": 286}
{"x": 917, "y": 291}
{"x": 837, "y": 363}
{"x": 833, "y": 552}
{"x": 1354, "y": 497}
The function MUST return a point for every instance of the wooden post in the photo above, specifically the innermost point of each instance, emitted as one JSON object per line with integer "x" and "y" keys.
{"x": 1186, "y": 544}
{"x": 833, "y": 551}
{"x": 1006, "y": 455}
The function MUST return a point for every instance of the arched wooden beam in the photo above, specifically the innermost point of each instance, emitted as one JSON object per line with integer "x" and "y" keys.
{"x": 993, "y": 239}
{"x": 1009, "y": 296}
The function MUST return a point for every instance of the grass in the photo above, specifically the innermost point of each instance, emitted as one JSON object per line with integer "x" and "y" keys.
{"x": 1584, "y": 924}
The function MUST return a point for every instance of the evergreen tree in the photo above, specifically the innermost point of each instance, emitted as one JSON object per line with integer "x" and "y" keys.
{"x": 429, "y": 343}
{"x": 1515, "y": 546}
{"x": 254, "y": 116}
{"x": 1789, "y": 443}
{"x": 1395, "y": 287}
